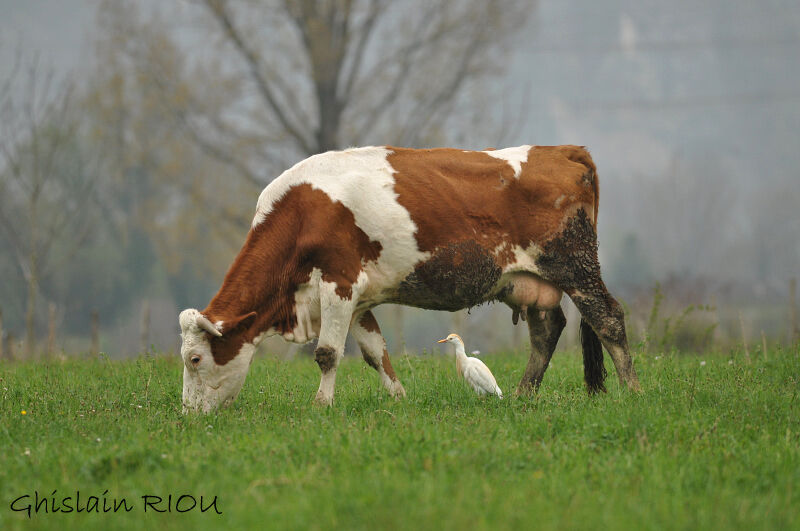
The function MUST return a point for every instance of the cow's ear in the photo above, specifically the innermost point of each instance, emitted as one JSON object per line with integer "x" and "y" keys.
{"x": 242, "y": 320}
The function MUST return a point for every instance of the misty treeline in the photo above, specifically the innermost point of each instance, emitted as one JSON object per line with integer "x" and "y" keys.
{"x": 126, "y": 190}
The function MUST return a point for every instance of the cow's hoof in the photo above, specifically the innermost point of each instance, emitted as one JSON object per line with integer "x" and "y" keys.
{"x": 397, "y": 390}
{"x": 323, "y": 400}
{"x": 525, "y": 390}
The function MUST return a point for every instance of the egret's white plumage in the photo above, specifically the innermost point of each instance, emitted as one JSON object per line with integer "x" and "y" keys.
{"x": 474, "y": 371}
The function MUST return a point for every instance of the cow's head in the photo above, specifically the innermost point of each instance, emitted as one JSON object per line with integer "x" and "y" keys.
{"x": 208, "y": 384}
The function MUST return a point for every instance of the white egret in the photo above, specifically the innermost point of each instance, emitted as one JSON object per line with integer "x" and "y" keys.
{"x": 474, "y": 371}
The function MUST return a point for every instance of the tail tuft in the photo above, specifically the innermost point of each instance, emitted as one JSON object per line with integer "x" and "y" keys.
{"x": 594, "y": 372}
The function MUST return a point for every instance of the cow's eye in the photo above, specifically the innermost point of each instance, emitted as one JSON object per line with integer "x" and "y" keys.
{"x": 195, "y": 359}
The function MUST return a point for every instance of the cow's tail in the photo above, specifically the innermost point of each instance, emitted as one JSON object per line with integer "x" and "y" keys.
{"x": 596, "y": 186}
{"x": 591, "y": 176}
{"x": 594, "y": 372}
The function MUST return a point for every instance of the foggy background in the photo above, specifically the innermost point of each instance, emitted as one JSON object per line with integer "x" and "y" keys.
{"x": 135, "y": 138}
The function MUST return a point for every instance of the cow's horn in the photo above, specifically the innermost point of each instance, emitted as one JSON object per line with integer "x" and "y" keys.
{"x": 208, "y": 326}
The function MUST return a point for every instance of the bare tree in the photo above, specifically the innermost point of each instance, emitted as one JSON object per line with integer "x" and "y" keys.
{"x": 209, "y": 100}
{"x": 306, "y": 76}
{"x": 46, "y": 179}
{"x": 359, "y": 62}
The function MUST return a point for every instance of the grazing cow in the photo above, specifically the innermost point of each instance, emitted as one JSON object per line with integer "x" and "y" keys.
{"x": 441, "y": 229}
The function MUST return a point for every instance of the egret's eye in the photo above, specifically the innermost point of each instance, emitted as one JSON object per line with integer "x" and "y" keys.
{"x": 195, "y": 359}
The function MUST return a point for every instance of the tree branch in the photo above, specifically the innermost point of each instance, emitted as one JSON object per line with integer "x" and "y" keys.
{"x": 218, "y": 10}
{"x": 361, "y": 45}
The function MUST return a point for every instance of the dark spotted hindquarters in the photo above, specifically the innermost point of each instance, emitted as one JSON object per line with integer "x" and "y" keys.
{"x": 570, "y": 261}
{"x": 460, "y": 275}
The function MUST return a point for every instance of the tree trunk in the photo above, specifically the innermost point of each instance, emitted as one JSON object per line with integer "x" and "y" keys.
{"x": 144, "y": 328}
{"x": 95, "y": 333}
{"x": 794, "y": 331}
{"x": 329, "y": 117}
{"x": 30, "y": 313}
{"x": 10, "y": 346}
{"x": 744, "y": 337}
{"x": 51, "y": 329}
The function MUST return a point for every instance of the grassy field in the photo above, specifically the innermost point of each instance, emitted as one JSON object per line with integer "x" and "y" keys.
{"x": 712, "y": 442}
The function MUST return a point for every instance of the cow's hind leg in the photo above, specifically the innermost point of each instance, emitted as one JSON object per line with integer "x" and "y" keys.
{"x": 335, "y": 316}
{"x": 570, "y": 261}
{"x": 367, "y": 333}
{"x": 544, "y": 333}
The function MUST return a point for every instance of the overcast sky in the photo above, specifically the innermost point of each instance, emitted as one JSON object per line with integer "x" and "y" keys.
{"x": 640, "y": 82}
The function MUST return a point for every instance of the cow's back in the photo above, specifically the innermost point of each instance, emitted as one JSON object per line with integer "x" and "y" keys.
{"x": 447, "y": 223}
{"x": 455, "y": 195}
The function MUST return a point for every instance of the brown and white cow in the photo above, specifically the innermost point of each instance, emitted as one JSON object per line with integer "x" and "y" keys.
{"x": 442, "y": 229}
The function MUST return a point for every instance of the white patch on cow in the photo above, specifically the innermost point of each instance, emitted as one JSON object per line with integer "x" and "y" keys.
{"x": 335, "y": 313}
{"x": 525, "y": 259}
{"x": 559, "y": 201}
{"x": 307, "y": 309}
{"x": 513, "y": 156}
{"x": 363, "y": 181}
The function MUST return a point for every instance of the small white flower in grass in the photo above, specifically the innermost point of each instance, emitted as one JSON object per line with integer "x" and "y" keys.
{"x": 99, "y": 439}
{"x": 476, "y": 352}
{"x": 27, "y": 451}
{"x": 730, "y": 362}
{"x": 658, "y": 357}
{"x": 164, "y": 456}
{"x": 702, "y": 363}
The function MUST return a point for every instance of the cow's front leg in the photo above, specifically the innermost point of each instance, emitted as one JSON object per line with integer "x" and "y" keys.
{"x": 336, "y": 313}
{"x": 367, "y": 333}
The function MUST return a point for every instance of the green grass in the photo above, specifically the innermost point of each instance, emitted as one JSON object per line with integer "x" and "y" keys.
{"x": 711, "y": 446}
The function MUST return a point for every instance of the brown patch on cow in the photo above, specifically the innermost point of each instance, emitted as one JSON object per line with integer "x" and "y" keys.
{"x": 387, "y": 366}
{"x": 325, "y": 358}
{"x": 369, "y": 323}
{"x": 453, "y": 196}
{"x": 305, "y": 229}
{"x": 227, "y": 347}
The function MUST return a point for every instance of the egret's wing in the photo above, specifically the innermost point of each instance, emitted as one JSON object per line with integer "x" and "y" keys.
{"x": 480, "y": 377}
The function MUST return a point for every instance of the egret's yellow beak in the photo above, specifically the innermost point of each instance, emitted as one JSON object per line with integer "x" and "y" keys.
{"x": 442, "y": 341}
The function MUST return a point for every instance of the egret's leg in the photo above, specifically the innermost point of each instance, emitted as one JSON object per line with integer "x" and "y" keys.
{"x": 366, "y": 332}
{"x": 544, "y": 335}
